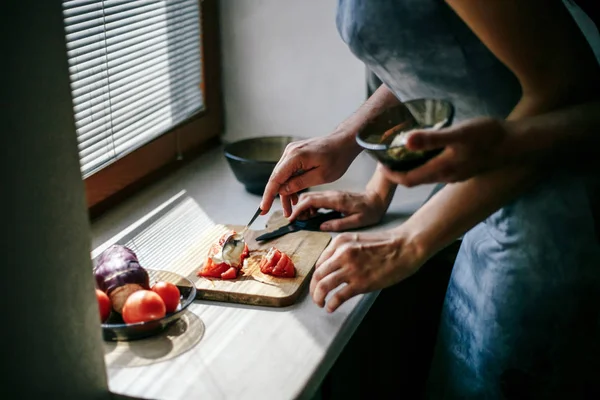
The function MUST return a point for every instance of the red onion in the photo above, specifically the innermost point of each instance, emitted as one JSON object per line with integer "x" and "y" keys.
{"x": 118, "y": 273}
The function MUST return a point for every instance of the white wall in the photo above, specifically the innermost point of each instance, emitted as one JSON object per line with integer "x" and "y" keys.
{"x": 286, "y": 70}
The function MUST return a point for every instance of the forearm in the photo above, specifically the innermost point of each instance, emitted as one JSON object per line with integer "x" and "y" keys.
{"x": 379, "y": 101}
{"x": 569, "y": 134}
{"x": 524, "y": 40}
{"x": 459, "y": 206}
{"x": 382, "y": 187}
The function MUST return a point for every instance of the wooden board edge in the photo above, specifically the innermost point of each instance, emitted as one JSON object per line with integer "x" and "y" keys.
{"x": 253, "y": 299}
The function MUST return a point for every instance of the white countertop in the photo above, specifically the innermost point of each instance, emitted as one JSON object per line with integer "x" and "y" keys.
{"x": 246, "y": 352}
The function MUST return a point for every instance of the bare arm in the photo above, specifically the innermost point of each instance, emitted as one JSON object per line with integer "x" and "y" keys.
{"x": 383, "y": 187}
{"x": 380, "y": 100}
{"x": 563, "y": 138}
{"x": 322, "y": 160}
{"x": 522, "y": 38}
{"x": 528, "y": 37}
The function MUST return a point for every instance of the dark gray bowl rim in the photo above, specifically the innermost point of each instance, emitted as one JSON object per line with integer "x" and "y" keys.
{"x": 228, "y": 145}
{"x": 383, "y": 147}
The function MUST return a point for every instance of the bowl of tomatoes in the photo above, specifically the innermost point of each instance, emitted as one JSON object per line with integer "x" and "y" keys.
{"x": 147, "y": 311}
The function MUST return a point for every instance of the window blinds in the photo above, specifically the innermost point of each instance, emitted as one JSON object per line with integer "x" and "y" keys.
{"x": 135, "y": 70}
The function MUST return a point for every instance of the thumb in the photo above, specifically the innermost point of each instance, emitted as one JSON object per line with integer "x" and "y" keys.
{"x": 432, "y": 139}
{"x": 342, "y": 224}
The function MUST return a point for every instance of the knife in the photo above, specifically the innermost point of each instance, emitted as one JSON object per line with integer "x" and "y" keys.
{"x": 310, "y": 224}
{"x": 256, "y": 214}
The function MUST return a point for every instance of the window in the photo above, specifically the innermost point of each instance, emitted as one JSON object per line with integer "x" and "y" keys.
{"x": 139, "y": 86}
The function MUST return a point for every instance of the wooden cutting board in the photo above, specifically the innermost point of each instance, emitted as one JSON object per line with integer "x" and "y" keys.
{"x": 252, "y": 286}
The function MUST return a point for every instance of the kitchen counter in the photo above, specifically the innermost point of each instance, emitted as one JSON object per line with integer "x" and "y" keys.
{"x": 246, "y": 352}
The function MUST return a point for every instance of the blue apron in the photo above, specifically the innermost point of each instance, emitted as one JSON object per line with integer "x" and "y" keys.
{"x": 521, "y": 313}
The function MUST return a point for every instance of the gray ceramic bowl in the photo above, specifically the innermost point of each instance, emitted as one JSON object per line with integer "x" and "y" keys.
{"x": 252, "y": 160}
{"x": 383, "y": 137}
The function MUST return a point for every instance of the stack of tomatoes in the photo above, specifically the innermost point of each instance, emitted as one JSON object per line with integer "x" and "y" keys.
{"x": 143, "y": 305}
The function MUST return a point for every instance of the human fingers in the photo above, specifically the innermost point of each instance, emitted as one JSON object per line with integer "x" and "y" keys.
{"x": 327, "y": 284}
{"x": 393, "y": 176}
{"x": 286, "y": 203}
{"x": 440, "y": 168}
{"x": 340, "y": 297}
{"x": 298, "y": 182}
{"x": 329, "y": 199}
{"x": 317, "y": 276}
{"x": 332, "y": 247}
{"x": 284, "y": 170}
{"x": 422, "y": 140}
{"x": 350, "y": 222}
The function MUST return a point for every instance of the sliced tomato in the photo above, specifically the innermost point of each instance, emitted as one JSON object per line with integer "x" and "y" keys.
{"x": 231, "y": 273}
{"x": 222, "y": 270}
{"x": 277, "y": 263}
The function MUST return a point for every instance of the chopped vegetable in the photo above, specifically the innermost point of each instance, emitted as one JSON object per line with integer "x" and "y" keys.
{"x": 277, "y": 263}
{"x": 224, "y": 265}
{"x": 118, "y": 273}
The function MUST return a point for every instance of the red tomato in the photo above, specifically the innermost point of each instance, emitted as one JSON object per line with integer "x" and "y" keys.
{"x": 231, "y": 273}
{"x": 278, "y": 264}
{"x": 169, "y": 293}
{"x": 222, "y": 270}
{"x": 143, "y": 306}
{"x": 103, "y": 304}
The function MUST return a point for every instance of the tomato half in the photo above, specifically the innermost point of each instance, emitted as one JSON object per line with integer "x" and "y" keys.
{"x": 169, "y": 293}
{"x": 103, "y": 304}
{"x": 143, "y": 306}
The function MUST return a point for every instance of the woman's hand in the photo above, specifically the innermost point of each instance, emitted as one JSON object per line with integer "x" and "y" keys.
{"x": 309, "y": 163}
{"x": 359, "y": 209}
{"x": 363, "y": 262}
{"x": 470, "y": 148}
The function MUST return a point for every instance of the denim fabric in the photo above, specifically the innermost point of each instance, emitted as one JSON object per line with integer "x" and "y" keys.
{"x": 521, "y": 314}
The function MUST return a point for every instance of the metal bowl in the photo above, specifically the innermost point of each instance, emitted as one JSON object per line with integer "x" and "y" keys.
{"x": 383, "y": 138}
{"x": 252, "y": 160}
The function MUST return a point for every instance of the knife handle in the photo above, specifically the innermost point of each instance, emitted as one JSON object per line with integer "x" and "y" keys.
{"x": 314, "y": 223}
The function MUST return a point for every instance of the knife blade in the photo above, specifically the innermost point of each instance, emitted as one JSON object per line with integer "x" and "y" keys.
{"x": 256, "y": 214}
{"x": 310, "y": 224}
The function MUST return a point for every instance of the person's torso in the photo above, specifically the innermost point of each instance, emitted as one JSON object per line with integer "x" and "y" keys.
{"x": 421, "y": 48}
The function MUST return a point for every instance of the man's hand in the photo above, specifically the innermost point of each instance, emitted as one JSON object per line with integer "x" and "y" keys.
{"x": 308, "y": 163}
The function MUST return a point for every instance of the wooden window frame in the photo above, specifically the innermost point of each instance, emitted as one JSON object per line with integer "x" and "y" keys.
{"x": 119, "y": 180}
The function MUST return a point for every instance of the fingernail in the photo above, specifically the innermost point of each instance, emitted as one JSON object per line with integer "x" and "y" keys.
{"x": 287, "y": 188}
{"x": 325, "y": 226}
